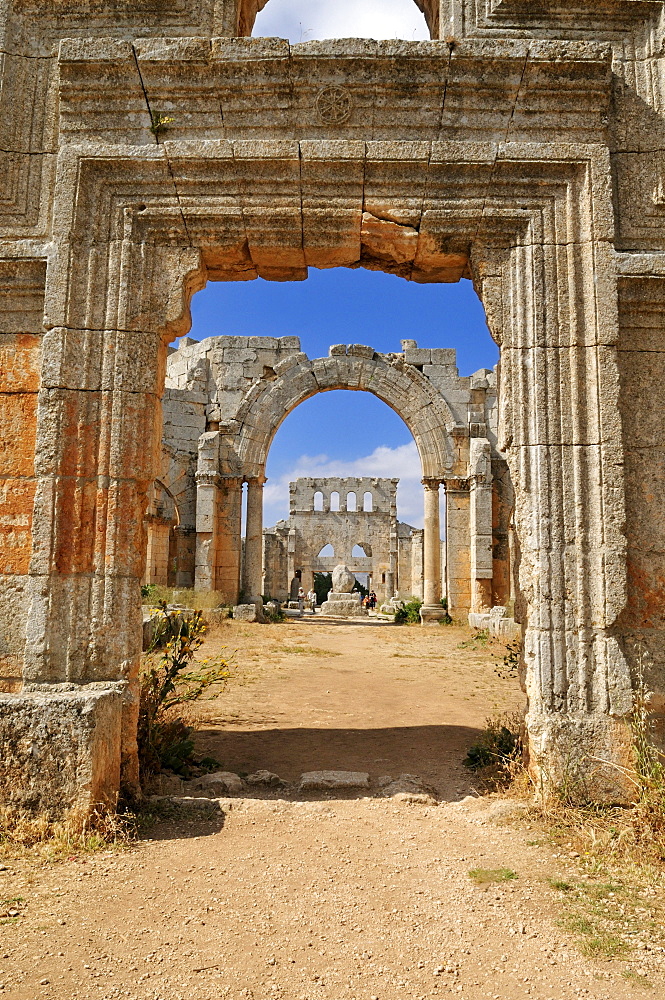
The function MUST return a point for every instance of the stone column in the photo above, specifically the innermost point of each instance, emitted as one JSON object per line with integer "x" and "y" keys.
{"x": 252, "y": 580}
{"x": 480, "y": 524}
{"x": 458, "y": 559}
{"x": 431, "y": 611}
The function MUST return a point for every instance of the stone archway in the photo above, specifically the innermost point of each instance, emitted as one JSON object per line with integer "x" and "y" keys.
{"x": 359, "y": 368}
{"x": 561, "y": 231}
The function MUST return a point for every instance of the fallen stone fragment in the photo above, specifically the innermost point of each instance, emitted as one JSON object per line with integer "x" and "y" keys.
{"x": 217, "y": 783}
{"x": 267, "y": 778}
{"x": 321, "y": 780}
{"x": 407, "y": 784}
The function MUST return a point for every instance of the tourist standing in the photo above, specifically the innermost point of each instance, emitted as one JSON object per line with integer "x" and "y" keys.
{"x": 311, "y": 597}
{"x": 301, "y": 601}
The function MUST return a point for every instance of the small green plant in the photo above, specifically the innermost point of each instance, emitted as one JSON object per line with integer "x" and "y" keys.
{"x": 409, "y": 614}
{"x": 562, "y": 886}
{"x": 479, "y": 639}
{"x": 273, "y": 614}
{"x": 148, "y": 592}
{"x": 159, "y": 123}
{"x": 499, "y": 746}
{"x": 485, "y": 876}
{"x": 164, "y": 738}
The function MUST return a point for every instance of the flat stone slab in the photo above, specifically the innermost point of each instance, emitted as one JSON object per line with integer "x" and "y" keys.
{"x": 321, "y": 780}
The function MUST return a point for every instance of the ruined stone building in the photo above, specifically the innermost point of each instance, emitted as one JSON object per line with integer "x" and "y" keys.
{"x": 224, "y": 399}
{"x": 351, "y": 521}
{"x": 521, "y": 147}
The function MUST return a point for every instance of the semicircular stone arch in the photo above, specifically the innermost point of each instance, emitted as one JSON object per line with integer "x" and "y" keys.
{"x": 403, "y": 388}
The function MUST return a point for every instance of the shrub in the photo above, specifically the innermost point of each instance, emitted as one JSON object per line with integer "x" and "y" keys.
{"x": 409, "y": 613}
{"x": 498, "y": 749}
{"x": 164, "y": 738}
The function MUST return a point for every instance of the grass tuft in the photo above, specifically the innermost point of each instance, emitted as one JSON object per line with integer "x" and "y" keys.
{"x": 485, "y": 876}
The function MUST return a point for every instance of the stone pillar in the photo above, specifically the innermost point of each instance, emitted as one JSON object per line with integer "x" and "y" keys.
{"x": 207, "y": 486}
{"x": 229, "y": 537}
{"x": 98, "y": 449}
{"x": 416, "y": 566}
{"x": 252, "y": 579}
{"x": 458, "y": 560}
{"x": 431, "y": 611}
{"x": 480, "y": 524}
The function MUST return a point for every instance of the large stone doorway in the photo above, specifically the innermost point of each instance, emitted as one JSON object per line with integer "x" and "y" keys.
{"x": 417, "y": 179}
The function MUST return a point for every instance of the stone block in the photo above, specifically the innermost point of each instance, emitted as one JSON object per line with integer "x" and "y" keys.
{"x": 218, "y": 783}
{"x": 248, "y": 613}
{"x": 60, "y": 750}
{"x": 314, "y": 781}
{"x": 418, "y": 356}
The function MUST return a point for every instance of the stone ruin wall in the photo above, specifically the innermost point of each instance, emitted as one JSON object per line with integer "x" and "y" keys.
{"x": 545, "y": 185}
{"x": 207, "y": 384}
{"x": 393, "y": 550}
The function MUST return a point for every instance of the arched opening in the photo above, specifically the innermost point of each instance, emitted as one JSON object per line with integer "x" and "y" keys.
{"x": 274, "y": 418}
{"x": 327, "y": 552}
{"x": 313, "y": 20}
{"x": 358, "y": 550}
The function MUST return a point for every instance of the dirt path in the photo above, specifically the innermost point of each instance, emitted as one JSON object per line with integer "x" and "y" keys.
{"x": 311, "y": 695}
{"x": 365, "y": 899}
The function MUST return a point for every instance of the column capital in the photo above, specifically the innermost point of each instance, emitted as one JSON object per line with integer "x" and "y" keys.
{"x": 458, "y": 485}
{"x": 208, "y": 479}
{"x": 256, "y": 480}
{"x": 431, "y": 482}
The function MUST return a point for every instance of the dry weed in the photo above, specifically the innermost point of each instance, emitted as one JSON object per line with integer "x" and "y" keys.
{"x": 22, "y": 833}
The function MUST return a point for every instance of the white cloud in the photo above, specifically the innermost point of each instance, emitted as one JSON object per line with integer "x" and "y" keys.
{"x": 306, "y": 20}
{"x": 402, "y": 462}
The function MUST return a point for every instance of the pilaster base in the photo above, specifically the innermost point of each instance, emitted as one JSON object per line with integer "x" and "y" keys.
{"x": 432, "y": 614}
{"x": 60, "y": 751}
{"x": 581, "y": 758}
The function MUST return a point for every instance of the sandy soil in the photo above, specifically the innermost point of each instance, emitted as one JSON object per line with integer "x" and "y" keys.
{"x": 358, "y": 899}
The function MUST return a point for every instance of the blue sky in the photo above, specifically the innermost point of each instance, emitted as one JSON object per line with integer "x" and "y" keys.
{"x": 347, "y": 433}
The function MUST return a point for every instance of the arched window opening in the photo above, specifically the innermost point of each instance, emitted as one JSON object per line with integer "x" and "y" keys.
{"x": 309, "y": 20}
{"x": 318, "y": 500}
{"x": 351, "y": 502}
{"x": 359, "y": 551}
{"x": 326, "y": 552}
{"x": 368, "y": 502}
{"x": 334, "y": 500}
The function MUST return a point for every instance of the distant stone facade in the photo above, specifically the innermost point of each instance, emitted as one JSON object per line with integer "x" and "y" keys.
{"x": 345, "y": 515}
